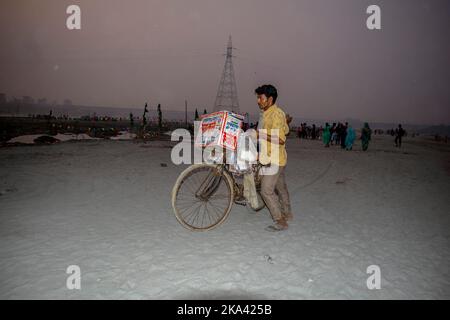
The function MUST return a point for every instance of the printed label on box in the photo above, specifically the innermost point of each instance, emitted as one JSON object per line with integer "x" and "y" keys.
{"x": 220, "y": 128}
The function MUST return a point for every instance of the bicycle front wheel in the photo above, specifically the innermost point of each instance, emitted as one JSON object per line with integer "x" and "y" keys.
{"x": 202, "y": 197}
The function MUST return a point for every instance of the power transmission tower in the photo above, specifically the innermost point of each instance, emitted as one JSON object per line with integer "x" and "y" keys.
{"x": 226, "y": 98}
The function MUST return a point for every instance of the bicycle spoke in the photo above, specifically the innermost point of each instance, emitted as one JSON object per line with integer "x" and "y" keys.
{"x": 196, "y": 215}
{"x": 209, "y": 216}
{"x": 192, "y": 212}
{"x": 219, "y": 209}
{"x": 216, "y": 211}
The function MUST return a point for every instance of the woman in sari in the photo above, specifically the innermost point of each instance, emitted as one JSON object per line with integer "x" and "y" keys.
{"x": 350, "y": 138}
{"x": 365, "y": 136}
{"x": 326, "y": 135}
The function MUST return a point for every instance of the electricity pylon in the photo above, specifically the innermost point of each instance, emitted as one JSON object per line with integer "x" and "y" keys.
{"x": 226, "y": 98}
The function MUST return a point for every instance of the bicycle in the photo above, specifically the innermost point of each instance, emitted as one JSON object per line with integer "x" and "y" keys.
{"x": 203, "y": 195}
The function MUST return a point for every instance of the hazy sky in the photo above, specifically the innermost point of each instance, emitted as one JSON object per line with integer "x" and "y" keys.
{"x": 320, "y": 55}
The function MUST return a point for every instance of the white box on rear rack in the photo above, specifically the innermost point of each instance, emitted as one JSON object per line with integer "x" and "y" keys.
{"x": 220, "y": 128}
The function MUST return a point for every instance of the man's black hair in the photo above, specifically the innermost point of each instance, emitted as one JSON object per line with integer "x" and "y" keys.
{"x": 268, "y": 90}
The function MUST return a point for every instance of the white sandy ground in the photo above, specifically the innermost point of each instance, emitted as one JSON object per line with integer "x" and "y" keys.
{"x": 105, "y": 206}
{"x": 124, "y": 135}
{"x": 64, "y": 137}
{"x": 29, "y": 138}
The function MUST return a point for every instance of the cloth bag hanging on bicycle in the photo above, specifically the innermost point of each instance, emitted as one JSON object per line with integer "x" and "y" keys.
{"x": 247, "y": 153}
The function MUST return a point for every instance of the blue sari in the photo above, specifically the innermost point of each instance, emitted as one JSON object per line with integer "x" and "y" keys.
{"x": 350, "y": 138}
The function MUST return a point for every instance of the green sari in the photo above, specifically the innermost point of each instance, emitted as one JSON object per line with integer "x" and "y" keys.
{"x": 326, "y": 136}
{"x": 365, "y": 136}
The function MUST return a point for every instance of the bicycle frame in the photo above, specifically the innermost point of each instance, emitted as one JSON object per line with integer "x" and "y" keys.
{"x": 212, "y": 181}
{"x": 209, "y": 186}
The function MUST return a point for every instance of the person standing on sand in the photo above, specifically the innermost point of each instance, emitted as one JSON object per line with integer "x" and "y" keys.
{"x": 399, "y": 133}
{"x": 350, "y": 138}
{"x": 273, "y": 185}
{"x": 333, "y": 133}
{"x": 313, "y": 132}
{"x": 337, "y": 137}
{"x": 344, "y": 135}
{"x": 366, "y": 133}
{"x": 326, "y": 135}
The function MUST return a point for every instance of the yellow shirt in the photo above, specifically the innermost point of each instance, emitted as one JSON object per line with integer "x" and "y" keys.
{"x": 274, "y": 119}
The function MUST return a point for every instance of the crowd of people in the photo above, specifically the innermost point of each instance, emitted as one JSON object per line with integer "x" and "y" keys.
{"x": 344, "y": 135}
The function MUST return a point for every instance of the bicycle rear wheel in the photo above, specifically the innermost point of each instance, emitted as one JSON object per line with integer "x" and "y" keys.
{"x": 202, "y": 197}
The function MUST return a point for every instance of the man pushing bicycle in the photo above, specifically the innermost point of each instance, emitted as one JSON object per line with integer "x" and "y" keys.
{"x": 273, "y": 127}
